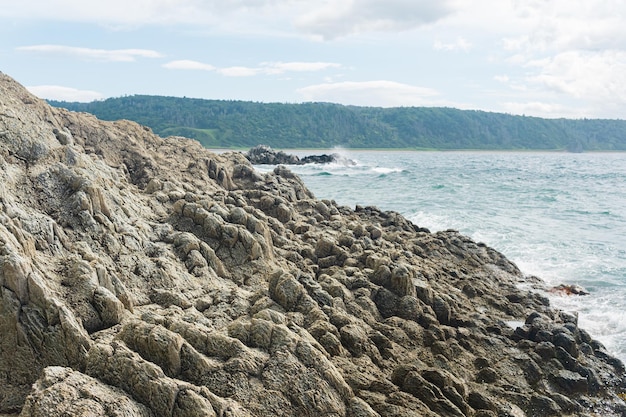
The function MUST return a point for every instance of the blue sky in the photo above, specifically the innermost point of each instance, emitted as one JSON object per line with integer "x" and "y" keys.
{"x": 547, "y": 58}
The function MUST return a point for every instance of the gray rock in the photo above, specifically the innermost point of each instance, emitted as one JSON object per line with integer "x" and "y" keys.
{"x": 545, "y": 406}
{"x": 63, "y": 391}
{"x": 567, "y": 342}
{"x": 402, "y": 281}
{"x": 479, "y": 401}
{"x": 487, "y": 375}
{"x": 111, "y": 309}
{"x": 570, "y": 382}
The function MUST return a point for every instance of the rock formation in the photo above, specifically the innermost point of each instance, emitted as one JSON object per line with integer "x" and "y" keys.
{"x": 142, "y": 276}
{"x": 264, "y": 155}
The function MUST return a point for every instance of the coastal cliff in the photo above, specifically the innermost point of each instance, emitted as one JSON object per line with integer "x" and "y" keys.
{"x": 143, "y": 276}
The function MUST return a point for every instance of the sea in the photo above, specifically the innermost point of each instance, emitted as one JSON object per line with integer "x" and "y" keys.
{"x": 559, "y": 216}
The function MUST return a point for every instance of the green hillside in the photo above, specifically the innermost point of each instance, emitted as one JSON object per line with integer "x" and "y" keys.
{"x": 241, "y": 124}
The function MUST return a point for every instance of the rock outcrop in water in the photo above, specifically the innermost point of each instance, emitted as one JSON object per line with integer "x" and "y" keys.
{"x": 264, "y": 155}
{"x": 142, "y": 276}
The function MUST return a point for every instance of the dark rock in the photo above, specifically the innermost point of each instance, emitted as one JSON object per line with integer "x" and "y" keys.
{"x": 568, "y": 317}
{"x": 546, "y": 350}
{"x": 355, "y": 339}
{"x": 566, "y": 359}
{"x": 532, "y": 371}
{"x": 545, "y": 406}
{"x": 386, "y": 301}
{"x": 542, "y": 335}
{"x": 570, "y": 382}
{"x": 567, "y": 342}
{"x": 264, "y": 155}
{"x": 480, "y": 401}
{"x": 469, "y": 290}
{"x": 441, "y": 309}
{"x": 319, "y": 159}
{"x": 409, "y": 308}
{"x": 488, "y": 375}
{"x": 485, "y": 413}
{"x": 430, "y": 394}
{"x": 401, "y": 281}
{"x": 481, "y": 362}
{"x": 565, "y": 403}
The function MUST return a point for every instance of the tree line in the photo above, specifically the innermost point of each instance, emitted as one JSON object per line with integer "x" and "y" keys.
{"x": 244, "y": 124}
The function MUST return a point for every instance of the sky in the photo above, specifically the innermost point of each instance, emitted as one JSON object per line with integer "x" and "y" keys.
{"x": 545, "y": 58}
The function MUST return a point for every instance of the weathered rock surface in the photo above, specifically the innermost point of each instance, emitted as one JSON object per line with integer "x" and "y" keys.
{"x": 142, "y": 276}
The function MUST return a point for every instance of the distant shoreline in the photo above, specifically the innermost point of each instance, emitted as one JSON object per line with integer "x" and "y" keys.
{"x": 227, "y": 124}
{"x": 245, "y": 149}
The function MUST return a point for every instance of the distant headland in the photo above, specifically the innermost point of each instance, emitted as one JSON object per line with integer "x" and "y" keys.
{"x": 241, "y": 124}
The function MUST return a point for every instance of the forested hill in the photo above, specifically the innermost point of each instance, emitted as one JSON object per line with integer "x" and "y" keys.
{"x": 231, "y": 124}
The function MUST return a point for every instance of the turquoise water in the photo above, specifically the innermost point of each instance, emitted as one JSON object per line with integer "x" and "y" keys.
{"x": 559, "y": 216}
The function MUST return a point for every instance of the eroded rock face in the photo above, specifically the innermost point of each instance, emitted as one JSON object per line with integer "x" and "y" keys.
{"x": 146, "y": 276}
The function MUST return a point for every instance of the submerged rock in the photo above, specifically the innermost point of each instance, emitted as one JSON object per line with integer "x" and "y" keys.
{"x": 143, "y": 276}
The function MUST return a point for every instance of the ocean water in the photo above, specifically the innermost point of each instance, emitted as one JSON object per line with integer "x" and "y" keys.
{"x": 559, "y": 216}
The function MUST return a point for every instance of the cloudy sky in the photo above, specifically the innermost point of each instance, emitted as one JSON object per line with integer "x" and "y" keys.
{"x": 548, "y": 58}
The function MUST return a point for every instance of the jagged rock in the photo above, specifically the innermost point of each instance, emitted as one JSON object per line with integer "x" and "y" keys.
{"x": 479, "y": 401}
{"x": 570, "y": 382}
{"x": 63, "y": 391}
{"x": 264, "y": 155}
{"x": 402, "y": 281}
{"x": 487, "y": 375}
{"x": 108, "y": 306}
{"x": 567, "y": 342}
{"x": 144, "y": 276}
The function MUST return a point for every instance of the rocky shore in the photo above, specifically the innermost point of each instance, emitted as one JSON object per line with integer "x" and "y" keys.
{"x": 142, "y": 276}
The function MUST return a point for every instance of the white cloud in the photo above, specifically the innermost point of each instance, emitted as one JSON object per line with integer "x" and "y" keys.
{"x": 325, "y": 18}
{"x": 543, "y": 109}
{"x": 266, "y": 68}
{"x": 277, "y": 68}
{"x": 55, "y": 92}
{"x": 331, "y": 19}
{"x": 596, "y": 76}
{"x": 380, "y": 93}
{"x": 557, "y": 55}
{"x": 459, "y": 44}
{"x": 549, "y": 27}
{"x": 118, "y": 55}
{"x": 186, "y": 64}
{"x": 577, "y": 83}
{"x": 565, "y": 58}
{"x": 113, "y": 11}
{"x": 282, "y": 67}
{"x": 238, "y": 71}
